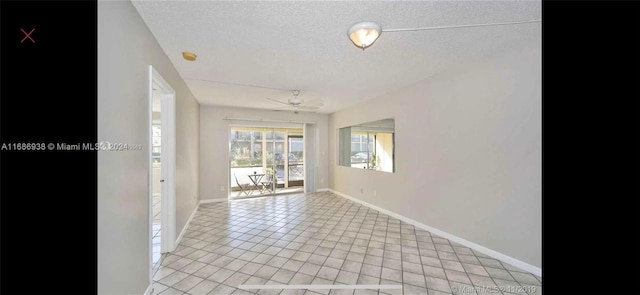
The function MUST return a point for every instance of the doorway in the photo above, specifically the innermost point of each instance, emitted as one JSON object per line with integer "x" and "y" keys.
{"x": 265, "y": 161}
{"x": 161, "y": 167}
{"x": 156, "y": 165}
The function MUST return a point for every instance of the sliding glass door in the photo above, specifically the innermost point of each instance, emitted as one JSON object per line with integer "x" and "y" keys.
{"x": 265, "y": 161}
{"x": 295, "y": 164}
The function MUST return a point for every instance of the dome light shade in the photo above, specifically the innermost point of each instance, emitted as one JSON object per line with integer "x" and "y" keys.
{"x": 364, "y": 34}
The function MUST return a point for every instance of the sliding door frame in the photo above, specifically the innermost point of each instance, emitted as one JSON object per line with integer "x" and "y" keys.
{"x": 273, "y": 128}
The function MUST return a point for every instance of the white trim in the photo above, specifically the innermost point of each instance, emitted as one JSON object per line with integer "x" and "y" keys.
{"x": 149, "y": 290}
{"x": 324, "y": 190}
{"x": 150, "y": 175}
{"x": 186, "y": 225}
{"x": 168, "y": 156}
{"x": 497, "y": 255}
{"x": 213, "y": 200}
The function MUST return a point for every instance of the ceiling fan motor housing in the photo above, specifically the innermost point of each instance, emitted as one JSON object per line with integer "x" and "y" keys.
{"x": 296, "y": 104}
{"x": 295, "y": 101}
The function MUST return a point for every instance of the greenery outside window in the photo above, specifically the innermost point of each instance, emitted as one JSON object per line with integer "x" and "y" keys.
{"x": 368, "y": 146}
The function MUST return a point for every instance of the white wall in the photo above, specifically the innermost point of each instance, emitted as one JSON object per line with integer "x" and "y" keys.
{"x": 468, "y": 153}
{"x": 126, "y": 48}
{"x": 214, "y": 144}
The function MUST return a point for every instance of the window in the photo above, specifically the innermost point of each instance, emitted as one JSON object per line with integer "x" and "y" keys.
{"x": 246, "y": 148}
{"x": 368, "y": 146}
{"x": 263, "y": 150}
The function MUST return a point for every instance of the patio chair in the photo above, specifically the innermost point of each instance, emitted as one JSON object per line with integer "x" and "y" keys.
{"x": 243, "y": 187}
{"x": 267, "y": 184}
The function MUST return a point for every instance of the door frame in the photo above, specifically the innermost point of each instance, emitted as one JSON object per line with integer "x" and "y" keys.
{"x": 168, "y": 166}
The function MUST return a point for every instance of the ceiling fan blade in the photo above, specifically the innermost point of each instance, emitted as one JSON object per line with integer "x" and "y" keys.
{"x": 271, "y": 99}
{"x": 313, "y": 104}
{"x": 307, "y": 108}
{"x": 307, "y": 111}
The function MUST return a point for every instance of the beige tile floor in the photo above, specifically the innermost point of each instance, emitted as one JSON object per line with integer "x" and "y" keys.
{"x": 322, "y": 238}
{"x": 237, "y": 195}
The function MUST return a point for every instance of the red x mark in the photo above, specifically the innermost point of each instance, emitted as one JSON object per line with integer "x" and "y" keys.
{"x": 28, "y": 35}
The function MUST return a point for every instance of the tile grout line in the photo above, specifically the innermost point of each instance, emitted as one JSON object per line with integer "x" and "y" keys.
{"x": 300, "y": 218}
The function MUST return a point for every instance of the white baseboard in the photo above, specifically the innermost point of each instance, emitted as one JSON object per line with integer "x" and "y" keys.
{"x": 213, "y": 200}
{"x": 324, "y": 190}
{"x": 149, "y": 289}
{"x": 497, "y": 255}
{"x": 186, "y": 225}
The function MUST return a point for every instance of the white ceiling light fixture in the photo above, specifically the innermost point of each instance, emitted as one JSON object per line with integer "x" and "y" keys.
{"x": 364, "y": 34}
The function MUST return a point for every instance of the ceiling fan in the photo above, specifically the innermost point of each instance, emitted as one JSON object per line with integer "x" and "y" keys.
{"x": 296, "y": 104}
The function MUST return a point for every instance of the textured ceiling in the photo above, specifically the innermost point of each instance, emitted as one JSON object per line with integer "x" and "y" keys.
{"x": 278, "y": 46}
